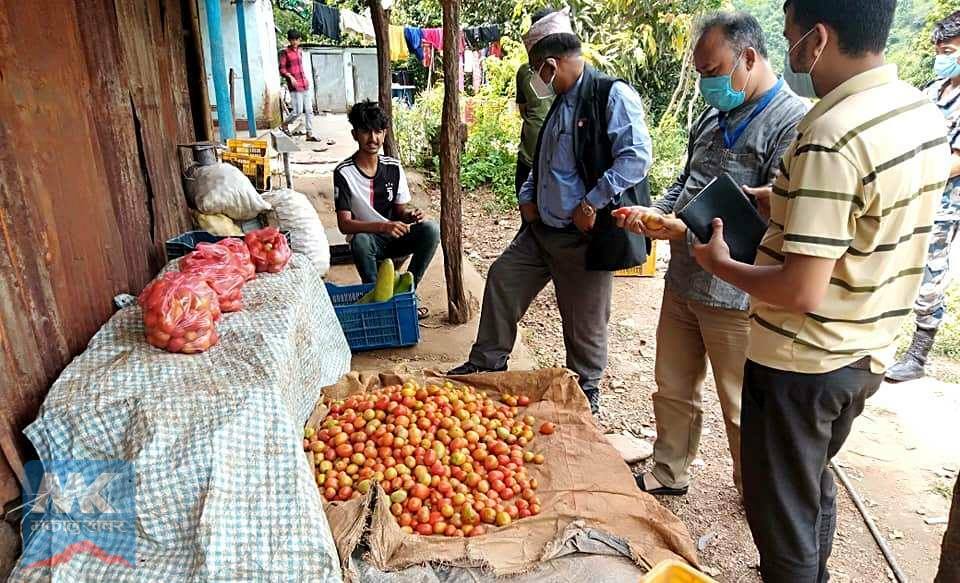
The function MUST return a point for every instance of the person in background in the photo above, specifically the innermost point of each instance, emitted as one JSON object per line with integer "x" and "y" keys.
{"x": 533, "y": 110}
{"x": 930, "y": 307}
{"x": 291, "y": 69}
{"x": 949, "y": 571}
{"x": 572, "y": 179}
{"x": 836, "y": 274}
{"x": 371, "y": 197}
{"x": 751, "y": 121}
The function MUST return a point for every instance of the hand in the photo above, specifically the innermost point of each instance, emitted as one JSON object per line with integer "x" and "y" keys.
{"x": 394, "y": 229}
{"x": 762, "y": 194}
{"x": 415, "y": 216}
{"x": 670, "y": 229}
{"x": 714, "y": 253}
{"x": 583, "y": 223}
{"x": 631, "y": 218}
{"x": 529, "y": 212}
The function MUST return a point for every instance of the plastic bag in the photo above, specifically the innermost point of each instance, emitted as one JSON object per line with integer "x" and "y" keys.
{"x": 220, "y": 225}
{"x": 224, "y": 189}
{"x": 268, "y": 249}
{"x": 242, "y": 255}
{"x": 222, "y": 271}
{"x": 180, "y": 312}
{"x": 295, "y": 214}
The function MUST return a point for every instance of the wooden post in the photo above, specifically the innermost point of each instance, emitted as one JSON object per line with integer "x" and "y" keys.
{"x": 381, "y": 26}
{"x": 451, "y": 216}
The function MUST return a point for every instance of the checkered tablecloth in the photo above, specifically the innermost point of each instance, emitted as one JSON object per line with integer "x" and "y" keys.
{"x": 224, "y": 492}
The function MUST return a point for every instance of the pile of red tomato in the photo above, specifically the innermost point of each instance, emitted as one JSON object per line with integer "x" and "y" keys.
{"x": 452, "y": 461}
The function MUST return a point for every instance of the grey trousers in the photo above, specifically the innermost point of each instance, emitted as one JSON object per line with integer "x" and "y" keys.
{"x": 536, "y": 256}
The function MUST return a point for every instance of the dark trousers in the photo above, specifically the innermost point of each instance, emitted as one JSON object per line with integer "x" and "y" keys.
{"x": 791, "y": 425}
{"x": 537, "y": 256}
{"x": 370, "y": 249}
{"x": 950, "y": 555}
{"x": 523, "y": 172}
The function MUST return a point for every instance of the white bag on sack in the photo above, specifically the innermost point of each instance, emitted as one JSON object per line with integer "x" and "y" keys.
{"x": 224, "y": 189}
{"x": 296, "y": 214}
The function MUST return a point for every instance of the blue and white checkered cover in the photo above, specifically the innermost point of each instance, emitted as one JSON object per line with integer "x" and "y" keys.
{"x": 224, "y": 492}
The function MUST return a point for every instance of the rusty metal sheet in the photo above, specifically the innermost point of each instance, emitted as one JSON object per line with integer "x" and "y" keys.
{"x": 89, "y": 180}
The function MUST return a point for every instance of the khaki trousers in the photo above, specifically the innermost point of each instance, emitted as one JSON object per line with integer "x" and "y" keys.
{"x": 688, "y": 334}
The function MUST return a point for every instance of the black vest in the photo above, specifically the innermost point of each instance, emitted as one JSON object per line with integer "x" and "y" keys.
{"x": 610, "y": 248}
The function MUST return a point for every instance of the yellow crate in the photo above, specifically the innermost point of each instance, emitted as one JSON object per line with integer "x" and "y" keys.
{"x": 250, "y": 147}
{"x": 675, "y": 572}
{"x": 256, "y": 168}
{"x": 648, "y": 269}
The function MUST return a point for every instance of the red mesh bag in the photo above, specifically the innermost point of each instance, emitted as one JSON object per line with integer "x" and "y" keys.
{"x": 222, "y": 271}
{"x": 180, "y": 312}
{"x": 240, "y": 251}
{"x": 268, "y": 249}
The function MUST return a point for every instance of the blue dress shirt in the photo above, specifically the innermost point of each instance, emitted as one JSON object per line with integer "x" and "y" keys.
{"x": 561, "y": 188}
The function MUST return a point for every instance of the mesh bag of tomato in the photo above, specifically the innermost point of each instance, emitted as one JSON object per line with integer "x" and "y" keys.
{"x": 180, "y": 311}
{"x": 221, "y": 269}
{"x": 269, "y": 249}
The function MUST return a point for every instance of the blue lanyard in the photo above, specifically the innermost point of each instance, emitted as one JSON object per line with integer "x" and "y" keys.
{"x": 730, "y": 139}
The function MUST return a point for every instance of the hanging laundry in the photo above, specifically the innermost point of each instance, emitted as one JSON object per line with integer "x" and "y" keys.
{"x": 472, "y": 36}
{"x": 357, "y": 23}
{"x": 398, "y": 44}
{"x": 490, "y": 33}
{"x": 326, "y": 21}
{"x": 414, "y": 38}
{"x": 433, "y": 37}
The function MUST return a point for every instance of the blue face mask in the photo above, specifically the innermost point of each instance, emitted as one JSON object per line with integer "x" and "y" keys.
{"x": 946, "y": 66}
{"x": 719, "y": 92}
{"x": 801, "y": 83}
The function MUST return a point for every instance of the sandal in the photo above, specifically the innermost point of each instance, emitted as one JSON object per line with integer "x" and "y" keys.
{"x": 656, "y": 488}
{"x": 423, "y": 313}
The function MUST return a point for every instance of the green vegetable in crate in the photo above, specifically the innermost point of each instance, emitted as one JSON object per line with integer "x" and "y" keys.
{"x": 404, "y": 284}
{"x": 383, "y": 290}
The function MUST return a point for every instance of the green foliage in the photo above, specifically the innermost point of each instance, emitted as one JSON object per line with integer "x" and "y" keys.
{"x": 417, "y": 129}
{"x": 770, "y": 15}
{"x": 502, "y": 73}
{"x": 669, "y": 154}
{"x": 298, "y": 15}
{"x": 490, "y": 157}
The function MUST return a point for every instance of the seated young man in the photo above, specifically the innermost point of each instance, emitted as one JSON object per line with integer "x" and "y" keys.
{"x": 371, "y": 197}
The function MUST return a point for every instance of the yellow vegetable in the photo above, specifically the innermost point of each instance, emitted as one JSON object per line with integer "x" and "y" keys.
{"x": 404, "y": 284}
{"x": 221, "y": 225}
{"x": 383, "y": 290}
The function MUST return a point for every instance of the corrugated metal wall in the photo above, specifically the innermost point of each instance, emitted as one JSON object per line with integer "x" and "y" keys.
{"x": 93, "y": 100}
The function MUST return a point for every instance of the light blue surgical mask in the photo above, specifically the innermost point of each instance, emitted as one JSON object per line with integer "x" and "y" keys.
{"x": 718, "y": 91}
{"x": 946, "y": 66}
{"x": 800, "y": 83}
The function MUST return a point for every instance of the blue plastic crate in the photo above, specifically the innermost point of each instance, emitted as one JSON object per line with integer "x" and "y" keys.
{"x": 389, "y": 324}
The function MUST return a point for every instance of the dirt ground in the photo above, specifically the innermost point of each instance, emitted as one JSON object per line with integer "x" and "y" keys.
{"x": 902, "y": 457}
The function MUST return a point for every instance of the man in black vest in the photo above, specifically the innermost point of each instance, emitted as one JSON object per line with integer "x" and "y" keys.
{"x": 594, "y": 153}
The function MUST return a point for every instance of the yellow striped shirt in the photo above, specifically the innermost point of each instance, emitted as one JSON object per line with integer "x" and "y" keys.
{"x": 861, "y": 185}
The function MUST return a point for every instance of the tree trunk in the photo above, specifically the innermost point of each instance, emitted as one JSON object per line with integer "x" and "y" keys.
{"x": 451, "y": 216}
{"x": 381, "y": 25}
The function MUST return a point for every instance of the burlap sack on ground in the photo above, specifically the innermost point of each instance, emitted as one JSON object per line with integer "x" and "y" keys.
{"x": 584, "y": 485}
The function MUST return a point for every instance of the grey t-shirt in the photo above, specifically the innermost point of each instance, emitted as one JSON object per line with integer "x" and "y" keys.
{"x": 753, "y": 160}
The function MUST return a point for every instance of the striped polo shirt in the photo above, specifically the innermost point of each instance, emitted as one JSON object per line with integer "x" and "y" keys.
{"x": 861, "y": 185}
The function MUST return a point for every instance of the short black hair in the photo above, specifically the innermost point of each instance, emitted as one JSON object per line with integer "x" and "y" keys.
{"x": 863, "y": 25}
{"x": 562, "y": 44}
{"x": 947, "y": 29}
{"x": 741, "y": 30}
{"x": 368, "y": 116}
{"x": 293, "y": 34}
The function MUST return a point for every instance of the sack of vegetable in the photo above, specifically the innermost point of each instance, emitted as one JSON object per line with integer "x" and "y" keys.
{"x": 295, "y": 213}
{"x": 242, "y": 254}
{"x": 222, "y": 271}
{"x": 268, "y": 249}
{"x": 224, "y": 189}
{"x": 180, "y": 312}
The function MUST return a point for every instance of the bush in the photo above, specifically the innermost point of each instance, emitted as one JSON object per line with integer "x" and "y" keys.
{"x": 669, "y": 154}
{"x": 490, "y": 157}
{"x": 417, "y": 129}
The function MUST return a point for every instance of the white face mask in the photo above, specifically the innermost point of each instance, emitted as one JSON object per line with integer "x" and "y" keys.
{"x": 543, "y": 89}
{"x": 801, "y": 83}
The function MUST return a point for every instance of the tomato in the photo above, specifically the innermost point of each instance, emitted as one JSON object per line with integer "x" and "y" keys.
{"x": 547, "y": 428}
{"x": 424, "y": 529}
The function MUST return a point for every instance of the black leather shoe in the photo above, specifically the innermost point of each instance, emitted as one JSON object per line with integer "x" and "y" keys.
{"x": 470, "y": 368}
{"x": 593, "y": 397}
